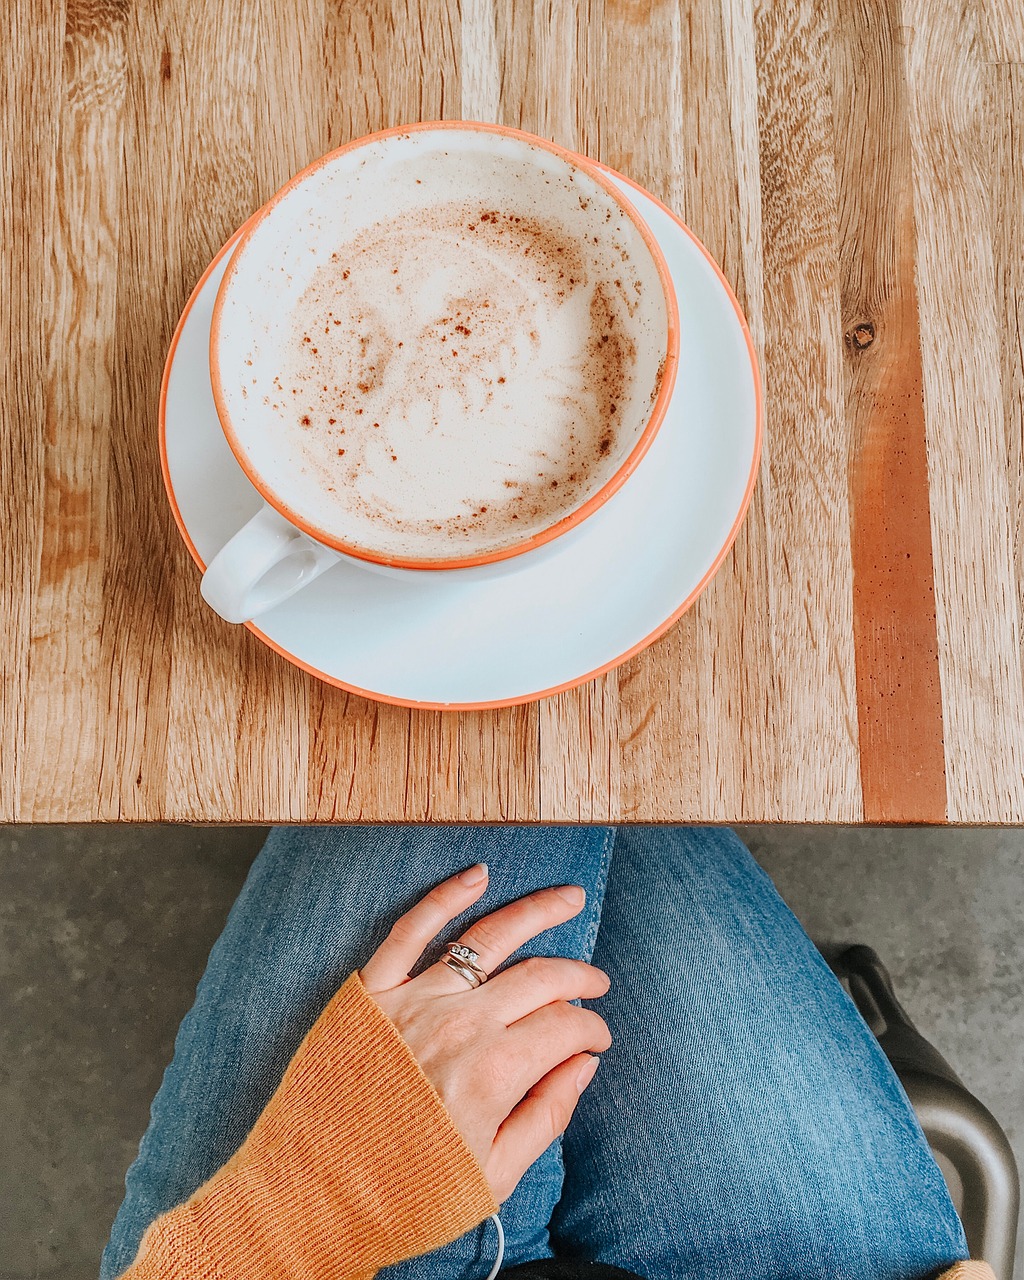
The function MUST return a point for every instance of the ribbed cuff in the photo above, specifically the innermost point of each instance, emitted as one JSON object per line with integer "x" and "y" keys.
{"x": 353, "y": 1165}
{"x": 171, "y": 1248}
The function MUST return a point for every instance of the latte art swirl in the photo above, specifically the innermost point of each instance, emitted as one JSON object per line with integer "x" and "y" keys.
{"x": 456, "y": 378}
{"x": 443, "y": 346}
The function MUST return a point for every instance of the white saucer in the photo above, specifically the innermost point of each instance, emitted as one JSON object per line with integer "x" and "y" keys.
{"x": 619, "y": 581}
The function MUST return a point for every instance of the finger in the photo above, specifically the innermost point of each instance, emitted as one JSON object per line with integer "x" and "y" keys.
{"x": 533, "y": 983}
{"x": 541, "y": 1117}
{"x": 537, "y": 1043}
{"x": 390, "y": 964}
{"x": 497, "y": 935}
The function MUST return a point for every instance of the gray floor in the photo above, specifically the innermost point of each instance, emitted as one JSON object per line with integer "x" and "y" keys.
{"x": 104, "y": 931}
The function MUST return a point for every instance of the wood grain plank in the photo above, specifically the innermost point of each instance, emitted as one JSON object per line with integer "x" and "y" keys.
{"x": 30, "y": 86}
{"x": 516, "y": 36}
{"x": 291, "y": 130}
{"x": 1001, "y": 27}
{"x": 390, "y": 62}
{"x": 738, "y": 690}
{"x": 141, "y": 548}
{"x": 433, "y": 767}
{"x": 655, "y": 93}
{"x": 659, "y": 730}
{"x": 238, "y": 732}
{"x": 814, "y": 715}
{"x": 899, "y": 698}
{"x": 719, "y": 197}
{"x": 272, "y": 754}
{"x": 498, "y": 765}
{"x": 658, "y": 707}
{"x": 480, "y": 62}
{"x": 65, "y": 733}
{"x": 218, "y": 81}
{"x": 387, "y": 64}
{"x": 1005, "y": 102}
{"x": 549, "y": 52}
{"x": 347, "y": 757}
{"x": 498, "y": 750}
{"x": 977, "y": 600}
{"x": 294, "y": 107}
{"x": 371, "y": 762}
{"x": 579, "y": 759}
{"x": 569, "y": 39}
{"x": 693, "y": 709}
{"x": 746, "y": 260}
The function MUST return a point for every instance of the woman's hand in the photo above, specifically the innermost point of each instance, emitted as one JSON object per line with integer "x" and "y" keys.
{"x": 510, "y": 1058}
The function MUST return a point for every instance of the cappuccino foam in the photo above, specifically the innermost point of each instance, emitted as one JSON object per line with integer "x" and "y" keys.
{"x": 458, "y": 377}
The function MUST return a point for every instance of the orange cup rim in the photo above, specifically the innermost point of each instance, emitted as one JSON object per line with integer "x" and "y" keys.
{"x": 611, "y": 486}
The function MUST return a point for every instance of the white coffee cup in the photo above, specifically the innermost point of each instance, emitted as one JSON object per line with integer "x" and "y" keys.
{"x": 287, "y": 544}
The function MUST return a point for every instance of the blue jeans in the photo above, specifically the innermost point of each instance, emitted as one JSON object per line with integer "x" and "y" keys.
{"x": 743, "y": 1124}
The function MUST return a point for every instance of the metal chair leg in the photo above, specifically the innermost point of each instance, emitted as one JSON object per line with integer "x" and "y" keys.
{"x": 955, "y": 1123}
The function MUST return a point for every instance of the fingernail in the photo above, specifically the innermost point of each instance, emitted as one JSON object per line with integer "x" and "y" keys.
{"x": 587, "y": 1073}
{"x": 473, "y": 875}
{"x": 572, "y": 893}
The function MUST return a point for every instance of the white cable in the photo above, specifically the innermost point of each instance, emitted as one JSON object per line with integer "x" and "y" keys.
{"x": 501, "y": 1247}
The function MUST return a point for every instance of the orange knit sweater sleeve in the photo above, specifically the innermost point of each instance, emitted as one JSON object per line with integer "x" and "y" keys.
{"x": 353, "y": 1165}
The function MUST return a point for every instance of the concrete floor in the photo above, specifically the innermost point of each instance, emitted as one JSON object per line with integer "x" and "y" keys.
{"x": 104, "y": 932}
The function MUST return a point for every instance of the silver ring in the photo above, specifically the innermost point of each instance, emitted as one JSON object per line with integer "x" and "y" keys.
{"x": 465, "y": 961}
{"x": 462, "y": 971}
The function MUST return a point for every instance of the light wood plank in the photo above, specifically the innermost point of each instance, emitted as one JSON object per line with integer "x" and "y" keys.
{"x": 569, "y": 39}
{"x": 739, "y": 691}
{"x": 579, "y": 760}
{"x": 239, "y": 740}
{"x": 345, "y": 760}
{"x": 739, "y": 39}
{"x": 386, "y": 65}
{"x": 30, "y": 86}
{"x": 290, "y": 132}
{"x": 814, "y": 714}
{"x": 390, "y": 64}
{"x": 295, "y": 92}
{"x": 65, "y": 734}
{"x": 1001, "y": 27}
{"x": 479, "y": 62}
{"x": 218, "y": 83}
{"x": 1005, "y": 114}
{"x": 977, "y": 603}
{"x": 734, "y": 686}
{"x": 498, "y": 750}
{"x": 658, "y": 724}
{"x": 141, "y": 546}
{"x": 370, "y": 761}
{"x": 549, "y": 87}
{"x": 433, "y": 767}
{"x": 498, "y": 765}
{"x": 272, "y": 738}
{"x": 660, "y": 730}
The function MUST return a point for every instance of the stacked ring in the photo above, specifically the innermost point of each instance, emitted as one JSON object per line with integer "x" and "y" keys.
{"x": 465, "y": 962}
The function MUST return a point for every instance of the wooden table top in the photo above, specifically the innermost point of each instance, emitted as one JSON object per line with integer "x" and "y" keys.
{"x": 856, "y": 166}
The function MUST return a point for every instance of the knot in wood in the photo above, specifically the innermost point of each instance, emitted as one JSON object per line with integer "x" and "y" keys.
{"x": 861, "y": 336}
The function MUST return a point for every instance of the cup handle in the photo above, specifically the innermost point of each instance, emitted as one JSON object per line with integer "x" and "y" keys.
{"x": 266, "y": 561}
